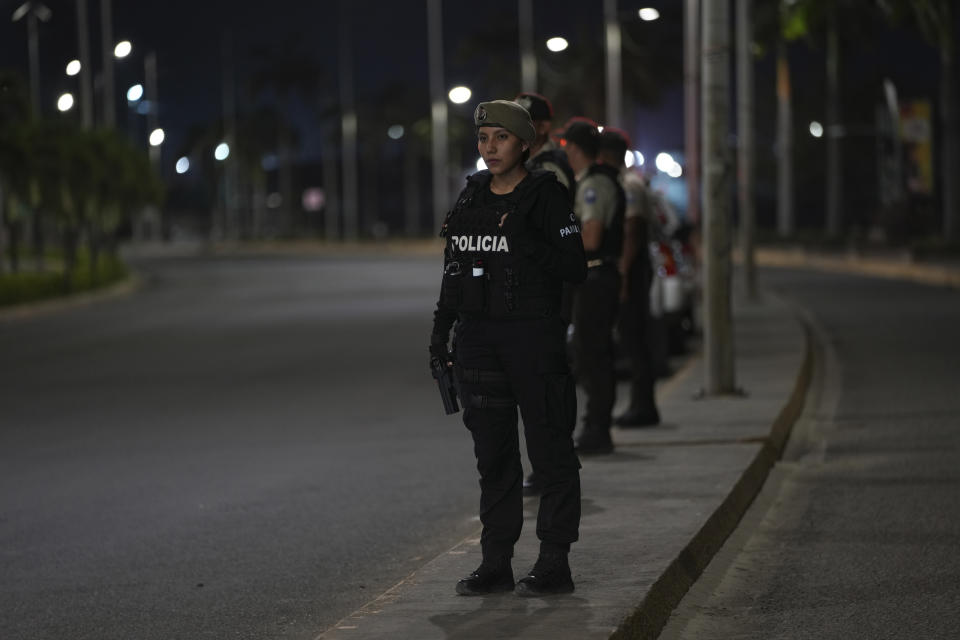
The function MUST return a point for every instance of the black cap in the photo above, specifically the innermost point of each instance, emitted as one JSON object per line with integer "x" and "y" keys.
{"x": 614, "y": 140}
{"x": 538, "y": 106}
{"x": 583, "y": 133}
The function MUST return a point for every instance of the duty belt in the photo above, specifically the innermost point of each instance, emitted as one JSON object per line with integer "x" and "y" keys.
{"x": 600, "y": 262}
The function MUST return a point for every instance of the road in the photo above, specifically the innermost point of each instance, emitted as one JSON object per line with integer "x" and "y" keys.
{"x": 856, "y": 534}
{"x": 246, "y": 448}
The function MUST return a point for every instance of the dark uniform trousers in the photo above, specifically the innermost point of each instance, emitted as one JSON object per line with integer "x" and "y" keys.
{"x": 595, "y": 311}
{"x": 502, "y": 364}
{"x": 633, "y": 328}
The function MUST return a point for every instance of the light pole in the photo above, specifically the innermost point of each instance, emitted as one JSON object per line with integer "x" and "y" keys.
{"x": 350, "y": 197}
{"x": 106, "y": 44}
{"x": 86, "y": 77}
{"x": 528, "y": 59}
{"x": 614, "y": 74}
{"x": 438, "y": 111}
{"x": 33, "y": 11}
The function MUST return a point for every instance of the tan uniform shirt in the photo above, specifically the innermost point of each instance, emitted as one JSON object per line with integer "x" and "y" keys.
{"x": 596, "y": 199}
{"x": 550, "y": 145}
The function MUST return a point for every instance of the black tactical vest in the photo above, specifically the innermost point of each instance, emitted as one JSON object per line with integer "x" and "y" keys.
{"x": 483, "y": 274}
{"x": 612, "y": 244}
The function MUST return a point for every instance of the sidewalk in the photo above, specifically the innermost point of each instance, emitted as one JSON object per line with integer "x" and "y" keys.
{"x": 654, "y": 512}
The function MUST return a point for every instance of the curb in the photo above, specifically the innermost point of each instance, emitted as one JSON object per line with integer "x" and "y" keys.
{"x": 124, "y": 287}
{"x": 889, "y": 268}
{"x": 648, "y": 619}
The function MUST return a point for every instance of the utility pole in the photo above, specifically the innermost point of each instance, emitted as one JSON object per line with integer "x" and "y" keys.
{"x": 153, "y": 103}
{"x": 834, "y": 166}
{"x": 86, "y": 66}
{"x": 784, "y": 138}
{"x": 231, "y": 229}
{"x": 33, "y": 11}
{"x": 717, "y": 169}
{"x": 691, "y": 107}
{"x": 106, "y": 46}
{"x": 614, "y": 74}
{"x": 438, "y": 111}
{"x": 528, "y": 57}
{"x": 349, "y": 198}
{"x": 745, "y": 143}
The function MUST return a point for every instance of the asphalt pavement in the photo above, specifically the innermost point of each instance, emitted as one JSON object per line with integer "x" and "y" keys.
{"x": 654, "y": 513}
{"x": 856, "y": 533}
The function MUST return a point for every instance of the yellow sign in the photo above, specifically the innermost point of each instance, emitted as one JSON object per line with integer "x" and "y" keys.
{"x": 916, "y": 133}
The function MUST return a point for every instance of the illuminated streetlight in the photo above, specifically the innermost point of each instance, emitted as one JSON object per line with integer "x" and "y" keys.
{"x": 156, "y": 137}
{"x": 675, "y": 171}
{"x": 633, "y": 158}
{"x": 65, "y": 102}
{"x": 222, "y": 151}
{"x": 816, "y": 129}
{"x": 134, "y": 93}
{"x": 183, "y": 164}
{"x": 73, "y": 67}
{"x": 459, "y": 95}
{"x": 395, "y": 132}
{"x": 123, "y": 49}
{"x": 664, "y": 161}
{"x": 557, "y": 44}
{"x": 648, "y": 14}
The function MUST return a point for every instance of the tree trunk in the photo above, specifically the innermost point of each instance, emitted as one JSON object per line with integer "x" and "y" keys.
{"x": 948, "y": 118}
{"x": 785, "y": 226}
{"x": 745, "y": 140}
{"x": 717, "y": 170}
{"x": 834, "y": 166}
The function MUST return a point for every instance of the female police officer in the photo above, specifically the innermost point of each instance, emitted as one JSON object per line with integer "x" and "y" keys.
{"x": 512, "y": 241}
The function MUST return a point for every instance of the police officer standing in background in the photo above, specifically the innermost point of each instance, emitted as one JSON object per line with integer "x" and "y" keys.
{"x": 544, "y": 153}
{"x": 599, "y": 204}
{"x": 636, "y": 273}
{"x": 512, "y": 240}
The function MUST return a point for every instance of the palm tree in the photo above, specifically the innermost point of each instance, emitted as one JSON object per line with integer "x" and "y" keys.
{"x": 14, "y": 187}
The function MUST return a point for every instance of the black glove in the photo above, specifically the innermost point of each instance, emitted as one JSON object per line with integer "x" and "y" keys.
{"x": 438, "y": 349}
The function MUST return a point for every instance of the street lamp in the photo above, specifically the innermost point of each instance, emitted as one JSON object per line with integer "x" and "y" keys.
{"x": 459, "y": 95}
{"x": 134, "y": 93}
{"x": 33, "y": 11}
{"x": 222, "y": 152}
{"x": 65, "y": 102}
{"x": 557, "y": 44}
{"x": 156, "y": 137}
{"x": 73, "y": 67}
{"x": 122, "y": 49}
{"x": 648, "y": 14}
{"x": 183, "y": 165}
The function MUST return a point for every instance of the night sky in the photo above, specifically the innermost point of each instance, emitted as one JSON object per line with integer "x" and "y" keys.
{"x": 390, "y": 45}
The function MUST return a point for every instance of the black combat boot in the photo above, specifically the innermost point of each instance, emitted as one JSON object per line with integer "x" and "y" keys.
{"x": 637, "y": 418}
{"x": 594, "y": 441}
{"x": 549, "y": 576}
{"x": 492, "y": 576}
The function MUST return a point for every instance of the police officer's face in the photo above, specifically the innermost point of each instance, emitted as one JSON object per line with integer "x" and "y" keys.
{"x": 500, "y": 149}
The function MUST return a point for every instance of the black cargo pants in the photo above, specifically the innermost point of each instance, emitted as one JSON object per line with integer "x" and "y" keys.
{"x": 594, "y": 313}
{"x": 633, "y": 327}
{"x": 503, "y": 364}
